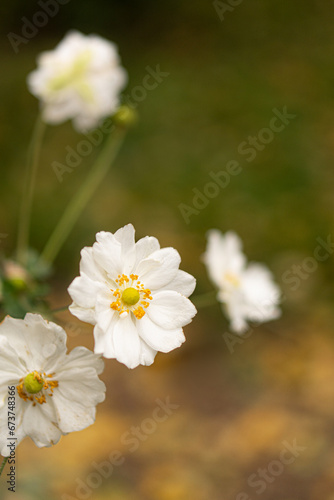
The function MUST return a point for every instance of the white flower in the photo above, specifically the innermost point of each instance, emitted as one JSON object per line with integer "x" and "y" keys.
{"x": 134, "y": 294}
{"x": 80, "y": 79}
{"x": 247, "y": 291}
{"x": 54, "y": 393}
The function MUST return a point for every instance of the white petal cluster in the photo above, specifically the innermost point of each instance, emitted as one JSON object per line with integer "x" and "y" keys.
{"x": 246, "y": 290}
{"x": 134, "y": 294}
{"x": 80, "y": 79}
{"x": 33, "y": 354}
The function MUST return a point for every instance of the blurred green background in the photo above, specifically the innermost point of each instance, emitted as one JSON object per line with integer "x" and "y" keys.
{"x": 225, "y": 78}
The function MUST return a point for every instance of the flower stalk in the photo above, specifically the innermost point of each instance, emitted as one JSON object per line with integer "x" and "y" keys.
{"x": 2, "y": 466}
{"x": 29, "y": 189}
{"x": 83, "y": 195}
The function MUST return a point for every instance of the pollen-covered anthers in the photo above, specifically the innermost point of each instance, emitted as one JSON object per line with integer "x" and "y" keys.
{"x": 131, "y": 295}
{"x": 32, "y": 387}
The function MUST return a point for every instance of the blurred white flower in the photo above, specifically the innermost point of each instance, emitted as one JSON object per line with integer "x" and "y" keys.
{"x": 54, "y": 393}
{"x": 134, "y": 294}
{"x": 247, "y": 291}
{"x": 80, "y": 79}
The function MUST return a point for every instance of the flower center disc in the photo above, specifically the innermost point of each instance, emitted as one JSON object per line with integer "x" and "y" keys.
{"x": 232, "y": 279}
{"x": 130, "y": 296}
{"x": 33, "y": 383}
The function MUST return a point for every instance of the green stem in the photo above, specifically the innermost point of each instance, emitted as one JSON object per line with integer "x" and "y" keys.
{"x": 205, "y": 300}
{"x": 60, "y": 309}
{"x": 83, "y": 195}
{"x": 2, "y": 466}
{"x": 29, "y": 188}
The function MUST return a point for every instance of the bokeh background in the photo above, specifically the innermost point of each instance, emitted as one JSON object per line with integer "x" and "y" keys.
{"x": 225, "y": 77}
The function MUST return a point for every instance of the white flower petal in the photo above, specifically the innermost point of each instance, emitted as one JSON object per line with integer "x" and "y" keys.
{"x": 74, "y": 416}
{"x": 126, "y": 342}
{"x": 223, "y": 255}
{"x": 81, "y": 357}
{"x": 104, "y": 343}
{"x": 147, "y": 354}
{"x": 183, "y": 283}
{"x": 12, "y": 369}
{"x": 37, "y": 426}
{"x": 83, "y": 291}
{"x": 155, "y": 276}
{"x": 5, "y": 437}
{"x": 104, "y": 313}
{"x": 126, "y": 237}
{"x": 107, "y": 252}
{"x": 171, "y": 310}
{"x": 32, "y": 337}
{"x": 86, "y": 315}
{"x": 89, "y": 266}
{"x": 144, "y": 248}
{"x": 159, "y": 338}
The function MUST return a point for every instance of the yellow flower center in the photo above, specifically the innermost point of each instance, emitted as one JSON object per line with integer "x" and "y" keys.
{"x": 232, "y": 279}
{"x": 130, "y": 296}
{"x": 35, "y": 386}
{"x": 74, "y": 77}
{"x": 33, "y": 383}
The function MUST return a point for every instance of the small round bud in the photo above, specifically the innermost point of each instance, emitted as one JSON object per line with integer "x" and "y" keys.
{"x": 16, "y": 275}
{"x": 125, "y": 117}
{"x": 130, "y": 296}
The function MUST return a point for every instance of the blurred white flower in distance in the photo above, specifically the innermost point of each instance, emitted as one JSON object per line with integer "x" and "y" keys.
{"x": 246, "y": 291}
{"x": 134, "y": 294}
{"x": 54, "y": 393}
{"x": 80, "y": 79}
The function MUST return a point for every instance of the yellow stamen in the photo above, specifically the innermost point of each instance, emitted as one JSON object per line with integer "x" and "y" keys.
{"x": 129, "y": 292}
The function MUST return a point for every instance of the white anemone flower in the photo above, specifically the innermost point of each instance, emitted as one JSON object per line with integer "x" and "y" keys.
{"x": 246, "y": 291}
{"x": 44, "y": 392}
{"x": 80, "y": 79}
{"x": 134, "y": 294}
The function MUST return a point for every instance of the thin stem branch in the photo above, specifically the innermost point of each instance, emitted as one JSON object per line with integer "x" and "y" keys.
{"x": 83, "y": 195}
{"x": 2, "y": 466}
{"x": 29, "y": 188}
{"x": 60, "y": 309}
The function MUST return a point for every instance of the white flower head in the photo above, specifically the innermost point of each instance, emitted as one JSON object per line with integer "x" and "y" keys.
{"x": 80, "y": 79}
{"x": 247, "y": 291}
{"x": 134, "y": 294}
{"x": 55, "y": 393}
